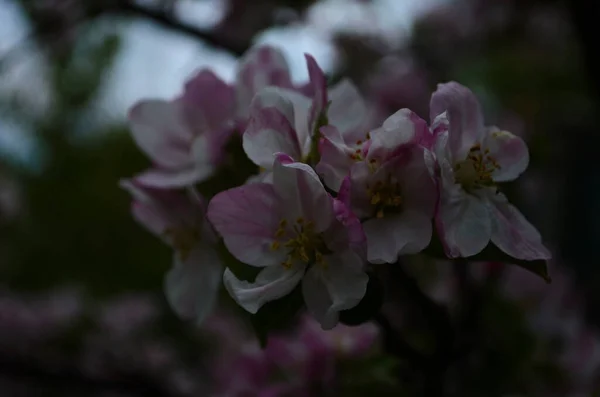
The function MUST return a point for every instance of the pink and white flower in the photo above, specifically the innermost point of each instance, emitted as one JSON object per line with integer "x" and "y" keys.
{"x": 290, "y": 228}
{"x": 177, "y": 218}
{"x": 185, "y": 137}
{"x": 260, "y": 67}
{"x": 472, "y": 160}
{"x": 285, "y": 121}
{"x": 387, "y": 183}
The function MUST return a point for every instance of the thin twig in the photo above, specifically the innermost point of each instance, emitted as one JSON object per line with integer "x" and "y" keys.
{"x": 165, "y": 19}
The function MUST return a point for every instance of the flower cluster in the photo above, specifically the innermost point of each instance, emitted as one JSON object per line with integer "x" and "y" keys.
{"x": 334, "y": 194}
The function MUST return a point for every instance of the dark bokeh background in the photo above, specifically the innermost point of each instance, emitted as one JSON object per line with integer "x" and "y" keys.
{"x": 81, "y": 303}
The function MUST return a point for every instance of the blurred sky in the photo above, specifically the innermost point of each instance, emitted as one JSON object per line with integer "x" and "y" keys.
{"x": 154, "y": 62}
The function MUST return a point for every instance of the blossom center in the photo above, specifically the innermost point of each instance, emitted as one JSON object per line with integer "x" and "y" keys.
{"x": 356, "y": 150}
{"x": 385, "y": 196}
{"x": 301, "y": 241}
{"x": 183, "y": 239}
{"x": 476, "y": 170}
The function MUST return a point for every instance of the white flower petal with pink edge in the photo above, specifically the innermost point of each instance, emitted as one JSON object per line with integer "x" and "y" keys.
{"x": 336, "y": 157}
{"x": 401, "y": 128}
{"x": 465, "y": 223}
{"x": 273, "y": 282}
{"x": 389, "y": 237}
{"x": 340, "y": 285}
{"x": 513, "y": 233}
{"x": 248, "y": 217}
{"x": 160, "y": 131}
{"x": 510, "y": 153}
{"x": 299, "y": 187}
{"x": 260, "y": 67}
{"x": 463, "y": 113}
{"x": 278, "y": 123}
{"x": 192, "y": 284}
{"x": 348, "y": 111}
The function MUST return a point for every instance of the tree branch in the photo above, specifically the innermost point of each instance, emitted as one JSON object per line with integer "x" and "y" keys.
{"x": 165, "y": 19}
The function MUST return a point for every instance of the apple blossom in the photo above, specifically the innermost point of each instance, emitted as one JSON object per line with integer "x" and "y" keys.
{"x": 388, "y": 184}
{"x": 286, "y": 121}
{"x": 290, "y": 229}
{"x": 191, "y": 286}
{"x": 260, "y": 67}
{"x": 472, "y": 160}
{"x": 185, "y": 137}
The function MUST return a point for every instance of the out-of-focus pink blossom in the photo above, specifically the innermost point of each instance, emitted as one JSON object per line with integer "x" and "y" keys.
{"x": 177, "y": 218}
{"x": 294, "y": 364}
{"x": 185, "y": 137}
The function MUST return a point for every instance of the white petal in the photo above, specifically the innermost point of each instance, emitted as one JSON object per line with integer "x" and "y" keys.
{"x": 464, "y": 116}
{"x": 347, "y": 111}
{"x": 302, "y": 194}
{"x": 418, "y": 188}
{"x": 394, "y": 235}
{"x": 247, "y": 218}
{"x": 397, "y": 130}
{"x": 513, "y": 233}
{"x": 465, "y": 222}
{"x": 272, "y": 283}
{"x": 169, "y": 179}
{"x": 192, "y": 285}
{"x": 335, "y": 162}
{"x": 160, "y": 130}
{"x": 339, "y": 286}
{"x": 509, "y": 151}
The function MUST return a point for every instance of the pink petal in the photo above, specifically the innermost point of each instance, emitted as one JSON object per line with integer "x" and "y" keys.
{"x": 269, "y": 132}
{"x": 464, "y": 116}
{"x": 339, "y": 286}
{"x": 302, "y": 194}
{"x": 346, "y": 232}
{"x": 319, "y": 87}
{"x": 160, "y": 130}
{"x": 419, "y": 191}
{"x": 207, "y": 94}
{"x": 509, "y": 151}
{"x": 347, "y": 111}
{"x": 247, "y": 218}
{"x": 406, "y": 233}
{"x": 192, "y": 286}
{"x": 169, "y": 179}
{"x": 465, "y": 223}
{"x": 273, "y": 282}
{"x": 259, "y": 68}
{"x": 397, "y": 131}
{"x": 360, "y": 178}
{"x": 159, "y": 210}
{"x": 335, "y": 161}
{"x": 513, "y": 234}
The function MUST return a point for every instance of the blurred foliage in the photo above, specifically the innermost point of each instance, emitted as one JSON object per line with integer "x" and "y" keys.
{"x": 76, "y": 226}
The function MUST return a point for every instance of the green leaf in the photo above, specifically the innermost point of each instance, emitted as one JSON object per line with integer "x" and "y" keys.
{"x": 491, "y": 253}
{"x": 277, "y": 316}
{"x": 368, "y": 307}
